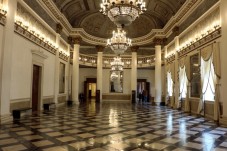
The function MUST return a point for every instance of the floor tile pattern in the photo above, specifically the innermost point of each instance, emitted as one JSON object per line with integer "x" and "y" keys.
{"x": 112, "y": 126}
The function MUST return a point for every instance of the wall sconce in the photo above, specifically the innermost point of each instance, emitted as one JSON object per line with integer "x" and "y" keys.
{"x": 128, "y": 62}
{"x": 140, "y": 62}
{"x": 3, "y": 10}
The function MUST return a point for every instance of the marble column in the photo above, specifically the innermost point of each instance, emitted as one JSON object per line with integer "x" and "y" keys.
{"x": 68, "y": 77}
{"x": 75, "y": 70}
{"x": 134, "y": 69}
{"x": 6, "y": 58}
{"x": 56, "y": 75}
{"x": 158, "y": 71}
{"x": 99, "y": 69}
{"x": 176, "y": 74}
{"x": 165, "y": 77}
{"x": 223, "y": 60}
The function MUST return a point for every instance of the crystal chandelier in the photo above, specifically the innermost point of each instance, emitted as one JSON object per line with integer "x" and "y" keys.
{"x": 119, "y": 43}
{"x": 122, "y": 12}
{"x": 117, "y": 64}
{"x": 113, "y": 76}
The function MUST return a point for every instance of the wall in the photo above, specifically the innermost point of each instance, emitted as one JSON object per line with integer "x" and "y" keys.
{"x": 85, "y": 73}
{"x": 141, "y": 73}
{"x": 21, "y": 81}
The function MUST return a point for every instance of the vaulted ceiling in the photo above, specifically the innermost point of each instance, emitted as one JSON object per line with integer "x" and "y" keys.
{"x": 85, "y": 14}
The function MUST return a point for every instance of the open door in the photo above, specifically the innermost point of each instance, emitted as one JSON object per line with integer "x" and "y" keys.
{"x": 35, "y": 88}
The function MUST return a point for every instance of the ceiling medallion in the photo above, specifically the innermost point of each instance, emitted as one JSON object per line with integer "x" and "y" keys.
{"x": 119, "y": 43}
{"x": 117, "y": 64}
{"x": 122, "y": 12}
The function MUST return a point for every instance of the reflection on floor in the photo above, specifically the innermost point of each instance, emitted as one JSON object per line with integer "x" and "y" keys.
{"x": 111, "y": 127}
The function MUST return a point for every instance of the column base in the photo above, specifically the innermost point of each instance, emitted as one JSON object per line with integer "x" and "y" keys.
{"x": 6, "y": 118}
{"x": 158, "y": 103}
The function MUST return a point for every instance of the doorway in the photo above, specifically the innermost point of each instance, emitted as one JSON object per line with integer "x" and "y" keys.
{"x": 90, "y": 88}
{"x": 143, "y": 90}
{"x": 36, "y": 88}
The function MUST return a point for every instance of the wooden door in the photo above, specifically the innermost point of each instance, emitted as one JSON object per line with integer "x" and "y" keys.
{"x": 35, "y": 88}
{"x": 85, "y": 90}
{"x": 148, "y": 91}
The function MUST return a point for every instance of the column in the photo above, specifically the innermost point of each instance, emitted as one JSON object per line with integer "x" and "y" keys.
{"x": 223, "y": 54}
{"x": 75, "y": 70}
{"x": 68, "y": 76}
{"x": 165, "y": 78}
{"x": 6, "y": 58}
{"x": 56, "y": 75}
{"x": 99, "y": 69}
{"x": 158, "y": 71}
{"x": 176, "y": 85}
{"x": 134, "y": 70}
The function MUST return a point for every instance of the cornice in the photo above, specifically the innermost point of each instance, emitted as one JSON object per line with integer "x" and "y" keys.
{"x": 200, "y": 43}
{"x": 23, "y": 32}
{"x": 180, "y": 16}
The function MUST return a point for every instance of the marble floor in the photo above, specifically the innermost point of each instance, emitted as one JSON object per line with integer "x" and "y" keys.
{"x": 112, "y": 126}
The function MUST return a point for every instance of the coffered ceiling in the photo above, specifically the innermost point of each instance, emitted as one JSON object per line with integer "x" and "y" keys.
{"x": 85, "y": 14}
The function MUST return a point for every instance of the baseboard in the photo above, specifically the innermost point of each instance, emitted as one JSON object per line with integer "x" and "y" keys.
{"x": 6, "y": 119}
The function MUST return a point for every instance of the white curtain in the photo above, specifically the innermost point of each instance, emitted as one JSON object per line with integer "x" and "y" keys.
{"x": 183, "y": 82}
{"x": 169, "y": 84}
{"x": 208, "y": 82}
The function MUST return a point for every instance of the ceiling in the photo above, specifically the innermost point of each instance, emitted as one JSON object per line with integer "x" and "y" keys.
{"x": 85, "y": 14}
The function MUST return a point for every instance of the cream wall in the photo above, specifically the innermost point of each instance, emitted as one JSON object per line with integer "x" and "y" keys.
{"x": 85, "y": 73}
{"x": 22, "y": 69}
{"x": 141, "y": 74}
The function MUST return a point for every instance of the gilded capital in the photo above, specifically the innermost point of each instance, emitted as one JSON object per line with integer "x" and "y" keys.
{"x": 74, "y": 40}
{"x": 175, "y": 31}
{"x": 134, "y": 48}
{"x": 99, "y": 48}
{"x": 158, "y": 41}
{"x": 59, "y": 28}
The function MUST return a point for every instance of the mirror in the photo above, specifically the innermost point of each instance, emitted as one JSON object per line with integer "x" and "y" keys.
{"x": 116, "y": 81}
{"x": 195, "y": 73}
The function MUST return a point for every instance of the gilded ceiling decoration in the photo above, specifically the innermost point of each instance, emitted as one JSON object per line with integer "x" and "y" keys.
{"x": 85, "y": 14}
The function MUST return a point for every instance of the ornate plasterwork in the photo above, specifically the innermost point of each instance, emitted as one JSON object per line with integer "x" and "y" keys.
{"x": 179, "y": 17}
{"x": 33, "y": 24}
{"x": 201, "y": 28}
{"x": 2, "y": 19}
{"x": 201, "y": 42}
{"x": 28, "y": 35}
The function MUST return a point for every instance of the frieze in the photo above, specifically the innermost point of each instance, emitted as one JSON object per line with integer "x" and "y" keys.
{"x": 33, "y": 38}
{"x": 63, "y": 56}
{"x": 201, "y": 42}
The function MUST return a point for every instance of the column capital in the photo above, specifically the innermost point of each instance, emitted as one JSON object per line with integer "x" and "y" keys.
{"x": 59, "y": 28}
{"x": 134, "y": 48}
{"x": 175, "y": 30}
{"x": 74, "y": 40}
{"x": 159, "y": 41}
{"x": 99, "y": 48}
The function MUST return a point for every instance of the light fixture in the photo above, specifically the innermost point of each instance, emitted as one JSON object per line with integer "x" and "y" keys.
{"x": 117, "y": 64}
{"x": 122, "y": 12}
{"x": 119, "y": 43}
{"x": 113, "y": 76}
{"x": 3, "y": 10}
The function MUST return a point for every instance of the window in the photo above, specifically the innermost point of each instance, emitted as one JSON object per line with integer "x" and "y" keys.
{"x": 208, "y": 77}
{"x": 169, "y": 84}
{"x": 183, "y": 82}
{"x": 195, "y": 73}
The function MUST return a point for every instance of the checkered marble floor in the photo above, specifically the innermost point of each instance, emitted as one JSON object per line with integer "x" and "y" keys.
{"x": 112, "y": 126}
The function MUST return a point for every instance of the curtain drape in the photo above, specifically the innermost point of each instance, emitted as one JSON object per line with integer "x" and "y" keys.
{"x": 182, "y": 83}
{"x": 210, "y": 75}
{"x": 217, "y": 70}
